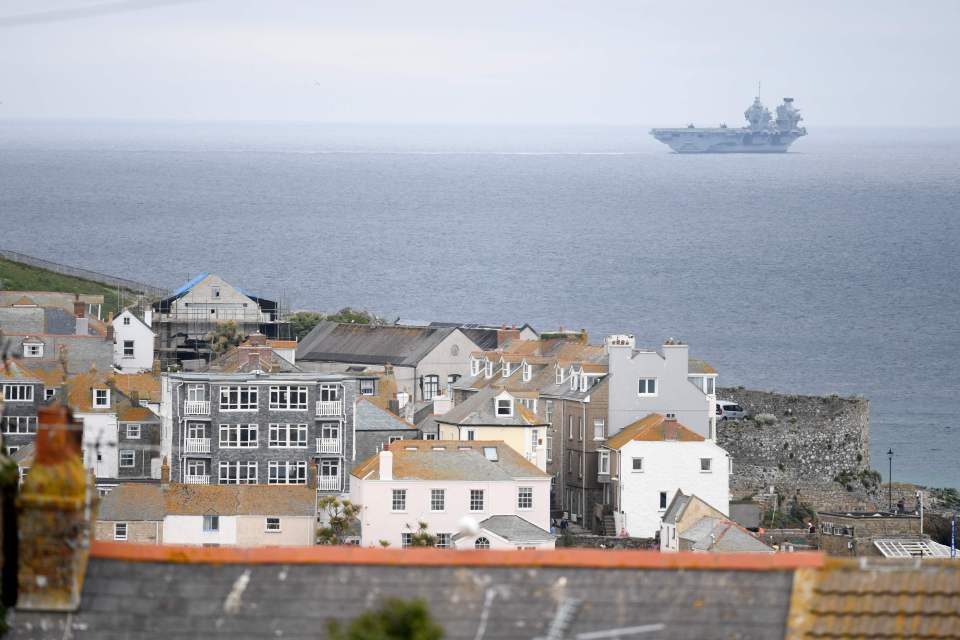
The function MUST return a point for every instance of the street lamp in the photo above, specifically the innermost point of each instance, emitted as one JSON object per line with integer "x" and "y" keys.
{"x": 890, "y": 480}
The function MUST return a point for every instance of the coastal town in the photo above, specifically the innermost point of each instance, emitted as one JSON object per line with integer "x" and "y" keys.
{"x": 208, "y": 416}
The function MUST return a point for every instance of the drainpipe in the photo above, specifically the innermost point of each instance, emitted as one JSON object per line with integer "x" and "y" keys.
{"x": 353, "y": 454}
{"x": 583, "y": 464}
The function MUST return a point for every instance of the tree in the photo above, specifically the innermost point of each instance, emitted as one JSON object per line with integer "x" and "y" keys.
{"x": 340, "y": 517}
{"x": 421, "y": 537}
{"x": 224, "y": 337}
{"x": 355, "y": 316}
{"x": 395, "y": 619}
{"x": 303, "y": 322}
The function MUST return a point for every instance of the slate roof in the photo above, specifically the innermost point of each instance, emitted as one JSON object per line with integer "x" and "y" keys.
{"x": 675, "y": 510}
{"x": 450, "y": 460}
{"x": 172, "y": 593}
{"x": 370, "y": 417}
{"x": 480, "y": 410}
{"x": 653, "y": 427}
{"x": 59, "y": 321}
{"x": 370, "y": 344}
{"x": 237, "y": 360}
{"x": 130, "y": 502}
{"x": 719, "y": 535}
{"x": 515, "y": 529}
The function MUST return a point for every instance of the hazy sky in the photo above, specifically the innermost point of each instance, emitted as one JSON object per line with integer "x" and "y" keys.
{"x": 632, "y": 62}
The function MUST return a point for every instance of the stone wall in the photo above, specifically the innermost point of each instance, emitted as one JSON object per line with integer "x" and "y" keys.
{"x": 590, "y": 541}
{"x": 796, "y": 444}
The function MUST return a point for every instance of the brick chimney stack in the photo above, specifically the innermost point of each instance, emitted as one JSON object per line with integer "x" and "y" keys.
{"x": 164, "y": 472}
{"x": 57, "y": 510}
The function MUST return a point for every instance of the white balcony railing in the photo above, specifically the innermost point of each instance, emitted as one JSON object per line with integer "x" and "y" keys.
{"x": 188, "y": 479}
{"x": 328, "y": 445}
{"x": 196, "y": 408}
{"x": 328, "y": 483}
{"x": 197, "y": 445}
{"x": 329, "y": 408}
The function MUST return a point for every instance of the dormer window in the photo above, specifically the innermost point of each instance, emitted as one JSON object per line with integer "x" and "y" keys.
{"x": 33, "y": 350}
{"x": 584, "y": 383}
{"x": 505, "y": 407}
{"x": 474, "y": 366}
{"x": 574, "y": 381}
{"x": 101, "y": 398}
{"x": 527, "y": 372}
{"x": 559, "y": 374}
{"x": 506, "y": 369}
{"x": 488, "y": 369}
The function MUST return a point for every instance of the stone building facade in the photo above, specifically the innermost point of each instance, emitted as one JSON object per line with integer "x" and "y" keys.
{"x": 853, "y": 534}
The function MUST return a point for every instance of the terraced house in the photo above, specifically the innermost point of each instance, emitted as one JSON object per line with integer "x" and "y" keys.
{"x": 252, "y": 417}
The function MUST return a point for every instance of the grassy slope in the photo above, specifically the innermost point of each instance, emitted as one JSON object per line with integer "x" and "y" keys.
{"x": 15, "y": 276}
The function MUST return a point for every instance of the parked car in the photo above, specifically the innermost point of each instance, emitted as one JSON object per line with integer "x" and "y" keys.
{"x": 729, "y": 410}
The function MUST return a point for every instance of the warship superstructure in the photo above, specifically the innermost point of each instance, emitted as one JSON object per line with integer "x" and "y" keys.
{"x": 762, "y": 134}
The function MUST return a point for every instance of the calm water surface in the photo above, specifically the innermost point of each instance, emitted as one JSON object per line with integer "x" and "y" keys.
{"x": 831, "y": 269}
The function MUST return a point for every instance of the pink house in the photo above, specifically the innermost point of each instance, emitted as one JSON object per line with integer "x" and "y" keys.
{"x": 472, "y": 494}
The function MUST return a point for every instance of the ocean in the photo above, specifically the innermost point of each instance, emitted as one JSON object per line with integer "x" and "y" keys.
{"x": 832, "y": 269}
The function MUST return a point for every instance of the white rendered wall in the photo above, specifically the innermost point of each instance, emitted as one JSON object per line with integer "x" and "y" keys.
{"x": 142, "y": 337}
{"x": 100, "y": 434}
{"x": 378, "y": 522}
{"x": 189, "y": 530}
{"x": 669, "y": 466}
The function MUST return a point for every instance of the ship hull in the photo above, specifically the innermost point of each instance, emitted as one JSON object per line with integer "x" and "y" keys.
{"x": 725, "y": 140}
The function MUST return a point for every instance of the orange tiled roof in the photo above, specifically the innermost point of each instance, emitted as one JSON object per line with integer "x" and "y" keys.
{"x": 146, "y": 384}
{"x": 135, "y": 414}
{"x": 654, "y": 428}
{"x": 24, "y": 301}
{"x": 80, "y": 389}
{"x": 282, "y": 344}
{"x": 51, "y": 376}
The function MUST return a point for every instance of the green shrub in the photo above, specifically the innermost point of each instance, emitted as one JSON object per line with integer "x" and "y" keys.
{"x": 395, "y": 619}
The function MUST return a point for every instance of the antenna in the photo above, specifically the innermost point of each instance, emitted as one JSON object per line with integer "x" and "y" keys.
{"x": 758, "y": 89}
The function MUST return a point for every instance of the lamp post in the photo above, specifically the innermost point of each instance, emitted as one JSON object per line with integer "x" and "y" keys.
{"x": 890, "y": 480}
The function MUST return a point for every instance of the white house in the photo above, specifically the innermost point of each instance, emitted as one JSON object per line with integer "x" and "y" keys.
{"x": 690, "y": 524}
{"x": 133, "y": 343}
{"x": 652, "y": 459}
{"x": 459, "y": 489}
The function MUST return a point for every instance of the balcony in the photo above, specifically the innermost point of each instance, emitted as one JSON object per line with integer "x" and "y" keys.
{"x": 328, "y": 483}
{"x": 196, "y": 408}
{"x": 188, "y": 479}
{"x": 197, "y": 445}
{"x": 329, "y": 408}
{"x": 328, "y": 445}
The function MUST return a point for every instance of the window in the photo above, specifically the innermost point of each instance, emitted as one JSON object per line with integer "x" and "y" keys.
{"x": 18, "y": 392}
{"x": 196, "y": 430}
{"x": 273, "y": 525}
{"x": 239, "y": 436}
{"x": 429, "y": 436}
{"x": 599, "y": 429}
{"x": 196, "y": 467}
{"x": 282, "y": 436}
{"x": 12, "y": 450}
{"x": 289, "y": 472}
{"x": 711, "y": 386}
{"x": 474, "y": 366}
{"x": 330, "y": 468}
{"x": 534, "y": 438}
{"x": 329, "y": 392}
{"x": 481, "y": 543}
{"x": 663, "y": 500}
{"x": 438, "y": 499}
{"x": 330, "y": 430}
{"x": 580, "y": 428}
{"x": 505, "y": 369}
{"x": 19, "y": 424}
{"x": 48, "y": 394}
{"x": 133, "y": 432}
{"x": 452, "y": 379}
{"x": 570, "y": 427}
{"x": 488, "y": 369}
{"x": 211, "y": 524}
{"x": 196, "y": 393}
{"x": 399, "y": 500}
{"x": 288, "y": 398}
{"x": 33, "y": 350}
{"x": 238, "y": 472}
{"x": 524, "y": 497}
{"x": 431, "y": 386}
{"x": 368, "y": 387}
{"x": 504, "y": 407}
{"x": 549, "y": 447}
{"x": 559, "y": 372}
{"x": 529, "y": 403}
{"x": 647, "y": 387}
{"x": 706, "y": 465}
{"x": 128, "y": 459}
{"x": 471, "y": 434}
{"x": 126, "y": 321}
{"x": 392, "y": 439}
{"x": 574, "y": 381}
{"x": 637, "y": 465}
{"x": 119, "y": 530}
{"x": 406, "y": 539}
{"x": 216, "y": 292}
{"x": 239, "y": 398}
{"x": 476, "y": 499}
{"x": 101, "y": 398}
{"x": 443, "y": 540}
{"x": 603, "y": 462}
{"x": 527, "y": 372}
{"x": 548, "y": 410}
{"x": 128, "y": 348}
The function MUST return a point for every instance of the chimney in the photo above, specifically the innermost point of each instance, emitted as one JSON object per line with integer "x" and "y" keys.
{"x": 505, "y": 336}
{"x": 164, "y": 472}
{"x": 148, "y": 316}
{"x": 79, "y": 307}
{"x": 57, "y": 512}
{"x": 677, "y": 357}
{"x": 110, "y": 332}
{"x": 156, "y": 367}
{"x": 135, "y": 397}
{"x": 386, "y": 465}
{"x": 442, "y": 404}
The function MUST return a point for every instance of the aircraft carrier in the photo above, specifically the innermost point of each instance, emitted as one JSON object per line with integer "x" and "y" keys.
{"x": 762, "y": 134}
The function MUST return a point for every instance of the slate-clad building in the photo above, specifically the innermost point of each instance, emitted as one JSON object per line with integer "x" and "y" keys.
{"x": 252, "y": 417}
{"x": 375, "y": 428}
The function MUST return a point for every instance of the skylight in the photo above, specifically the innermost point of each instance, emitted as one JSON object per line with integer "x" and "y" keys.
{"x": 491, "y": 453}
